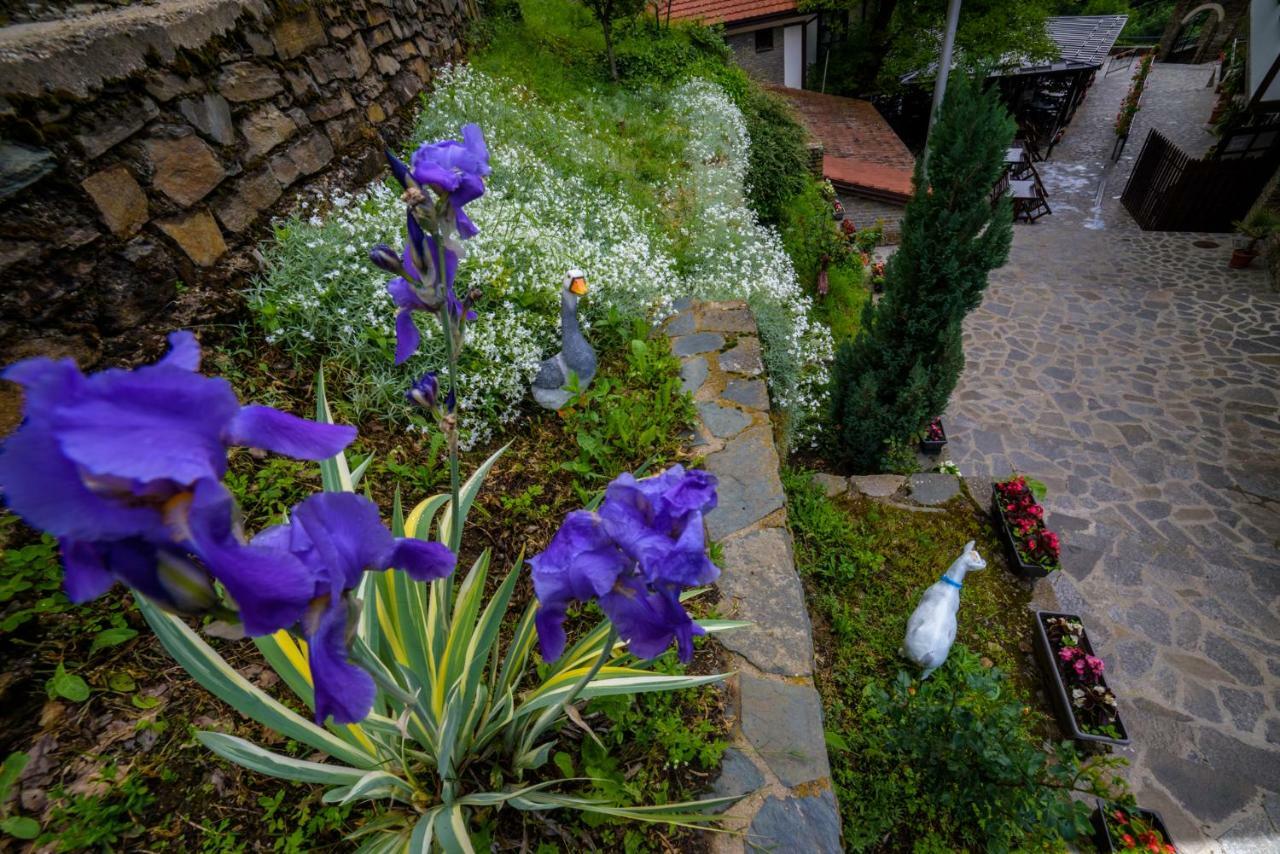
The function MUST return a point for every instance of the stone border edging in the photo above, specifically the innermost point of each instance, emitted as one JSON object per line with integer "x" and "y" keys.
{"x": 777, "y": 760}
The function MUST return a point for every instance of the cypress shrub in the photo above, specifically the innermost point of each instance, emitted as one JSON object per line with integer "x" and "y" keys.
{"x": 901, "y": 368}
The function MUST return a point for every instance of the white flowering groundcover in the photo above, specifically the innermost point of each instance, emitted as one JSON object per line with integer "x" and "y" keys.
{"x": 542, "y": 215}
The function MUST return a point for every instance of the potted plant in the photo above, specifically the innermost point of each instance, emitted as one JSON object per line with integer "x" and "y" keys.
{"x": 1033, "y": 549}
{"x": 934, "y": 438}
{"x": 1257, "y": 226}
{"x": 1117, "y": 828}
{"x": 1083, "y": 704}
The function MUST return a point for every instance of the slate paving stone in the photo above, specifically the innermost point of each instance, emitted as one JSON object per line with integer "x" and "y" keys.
{"x": 1185, "y": 780}
{"x": 738, "y": 776}
{"x": 749, "y": 488}
{"x": 831, "y": 485}
{"x": 698, "y": 342}
{"x": 1231, "y": 659}
{"x": 753, "y": 394}
{"x": 1244, "y": 707}
{"x": 745, "y": 358}
{"x": 783, "y": 722}
{"x": 758, "y": 583}
{"x": 807, "y": 824}
{"x": 683, "y": 323}
{"x": 693, "y": 373}
{"x": 877, "y": 485}
{"x": 724, "y": 422}
{"x": 1254, "y": 834}
{"x": 931, "y": 488}
{"x": 1201, "y": 701}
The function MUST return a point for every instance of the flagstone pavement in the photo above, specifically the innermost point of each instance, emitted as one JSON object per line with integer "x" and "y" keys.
{"x": 1139, "y": 378}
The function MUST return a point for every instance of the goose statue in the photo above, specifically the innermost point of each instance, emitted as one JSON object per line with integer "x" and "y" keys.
{"x": 932, "y": 627}
{"x": 575, "y": 356}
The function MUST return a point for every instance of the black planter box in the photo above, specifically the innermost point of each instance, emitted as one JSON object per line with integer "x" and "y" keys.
{"x": 1102, "y": 833}
{"x": 1057, "y": 689}
{"x": 1024, "y": 568}
{"x": 934, "y": 446}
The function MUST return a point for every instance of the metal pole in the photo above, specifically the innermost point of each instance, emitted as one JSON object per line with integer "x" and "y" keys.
{"x": 944, "y": 69}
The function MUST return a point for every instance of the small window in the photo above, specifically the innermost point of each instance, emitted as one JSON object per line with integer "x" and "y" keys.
{"x": 764, "y": 40}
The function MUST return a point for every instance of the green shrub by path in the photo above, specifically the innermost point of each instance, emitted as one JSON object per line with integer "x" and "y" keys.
{"x": 900, "y": 370}
{"x": 864, "y": 566}
{"x": 814, "y": 241}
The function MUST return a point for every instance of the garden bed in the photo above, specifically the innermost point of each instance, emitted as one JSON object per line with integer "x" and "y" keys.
{"x": 864, "y": 566}
{"x": 168, "y": 792}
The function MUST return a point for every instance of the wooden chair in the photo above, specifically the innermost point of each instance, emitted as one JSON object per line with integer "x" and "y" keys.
{"x": 1029, "y": 202}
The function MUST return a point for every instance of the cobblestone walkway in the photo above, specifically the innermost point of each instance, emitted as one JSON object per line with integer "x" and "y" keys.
{"x": 1139, "y": 378}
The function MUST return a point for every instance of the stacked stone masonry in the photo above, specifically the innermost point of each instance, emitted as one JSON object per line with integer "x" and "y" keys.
{"x": 141, "y": 145}
{"x": 777, "y": 763}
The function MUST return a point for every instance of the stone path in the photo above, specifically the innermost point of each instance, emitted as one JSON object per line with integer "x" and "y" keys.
{"x": 778, "y": 759}
{"x": 1139, "y": 378}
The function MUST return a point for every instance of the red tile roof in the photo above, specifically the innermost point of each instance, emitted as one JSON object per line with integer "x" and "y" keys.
{"x": 861, "y": 153}
{"x": 727, "y": 11}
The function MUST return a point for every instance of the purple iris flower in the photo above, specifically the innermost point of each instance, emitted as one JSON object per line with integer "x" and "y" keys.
{"x": 124, "y": 467}
{"x": 412, "y": 291}
{"x": 633, "y": 557}
{"x": 336, "y": 537}
{"x": 455, "y": 170}
{"x": 579, "y": 564}
{"x": 658, "y": 523}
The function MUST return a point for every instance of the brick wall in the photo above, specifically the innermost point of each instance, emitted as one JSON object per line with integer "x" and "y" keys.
{"x": 142, "y": 147}
{"x": 766, "y": 66}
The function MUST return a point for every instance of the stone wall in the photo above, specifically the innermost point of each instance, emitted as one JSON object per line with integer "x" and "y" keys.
{"x": 762, "y": 65}
{"x": 142, "y": 148}
{"x": 777, "y": 763}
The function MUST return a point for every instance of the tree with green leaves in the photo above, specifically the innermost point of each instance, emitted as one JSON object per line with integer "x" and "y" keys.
{"x": 902, "y": 367}
{"x": 885, "y": 39}
{"x": 610, "y": 13}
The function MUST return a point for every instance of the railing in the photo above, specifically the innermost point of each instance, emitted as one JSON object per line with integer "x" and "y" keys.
{"x": 1168, "y": 190}
{"x": 1124, "y": 58}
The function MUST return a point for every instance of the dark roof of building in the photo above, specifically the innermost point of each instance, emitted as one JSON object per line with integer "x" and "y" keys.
{"x": 1083, "y": 42}
{"x": 861, "y": 153}
{"x": 728, "y": 11}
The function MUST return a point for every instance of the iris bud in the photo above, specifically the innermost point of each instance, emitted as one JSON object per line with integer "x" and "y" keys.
{"x": 423, "y": 392}
{"x": 387, "y": 258}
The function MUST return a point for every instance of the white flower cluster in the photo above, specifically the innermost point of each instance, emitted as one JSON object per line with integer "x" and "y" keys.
{"x": 541, "y": 215}
{"x": 730, "y": 255}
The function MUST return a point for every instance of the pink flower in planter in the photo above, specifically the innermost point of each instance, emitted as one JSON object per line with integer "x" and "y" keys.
{"x": 1067, "y": 653}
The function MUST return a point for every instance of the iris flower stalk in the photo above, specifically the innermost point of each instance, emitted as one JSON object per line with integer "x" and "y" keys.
{"x": 440, "y": 179}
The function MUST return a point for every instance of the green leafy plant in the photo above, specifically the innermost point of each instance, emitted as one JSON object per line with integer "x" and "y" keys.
{"x": 1260, "y": 224}
{"x": 899, "y": 372}
{"x": 626, "y": 421}
{"x": 30, "y": 580}
{"x": 17, "y": 826}
{"x": 900, "y": 457}
{"x": 98, "y": 821}
{"x": 960, "y": 740}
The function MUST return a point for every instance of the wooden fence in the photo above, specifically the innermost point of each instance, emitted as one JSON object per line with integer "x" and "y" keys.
{"x": 1168, "y": 190}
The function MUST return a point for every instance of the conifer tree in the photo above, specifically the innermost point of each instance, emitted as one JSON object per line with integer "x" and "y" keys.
{"x": 900, "y": 370}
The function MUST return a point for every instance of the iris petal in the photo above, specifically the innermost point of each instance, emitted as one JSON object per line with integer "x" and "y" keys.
{"x": 184, "y": 352}
{"x": 422, "y": 560}
{"x": 407, "y": 336}
{"x": 45, "y": 488}
{"x": 342, "y": 689}
{"x": 272, "y": 430}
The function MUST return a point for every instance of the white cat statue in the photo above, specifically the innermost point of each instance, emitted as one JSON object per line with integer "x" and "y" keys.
{"x": 932, "y": 627}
